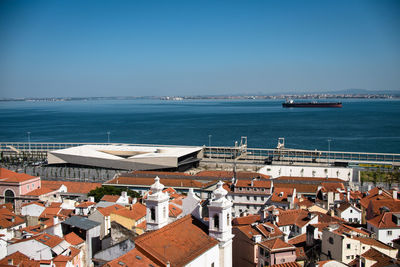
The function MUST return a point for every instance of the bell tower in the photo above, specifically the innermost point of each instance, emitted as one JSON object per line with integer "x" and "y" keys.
{"x": 157, "y": 210}
{"x": 220, "y": 227}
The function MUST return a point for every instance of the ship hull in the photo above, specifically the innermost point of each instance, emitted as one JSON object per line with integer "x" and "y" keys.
{"x": 312, "y": 105}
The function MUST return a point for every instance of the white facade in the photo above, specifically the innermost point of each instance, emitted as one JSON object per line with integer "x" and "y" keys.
{"x": 190, "y": 202}
{"x": 31, "y": 248}
{"x": 385, "y": 235}
{"x": 157, "y": 209}
{"x": 33, "y": 210}
{"x": 249, "y": 203}
{"x": 351, "y": 215}
{"x": 208, "y": 258}
{"x": 345, "y": 174}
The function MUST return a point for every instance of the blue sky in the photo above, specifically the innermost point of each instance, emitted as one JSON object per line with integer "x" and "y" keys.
{"x": 135, "y": 48}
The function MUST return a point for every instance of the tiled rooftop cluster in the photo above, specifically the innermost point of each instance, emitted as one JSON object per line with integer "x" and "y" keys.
{"x": 213, "y": 218}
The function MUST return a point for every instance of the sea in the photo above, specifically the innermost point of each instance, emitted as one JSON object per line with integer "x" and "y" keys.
{"x": 362, "y": 125}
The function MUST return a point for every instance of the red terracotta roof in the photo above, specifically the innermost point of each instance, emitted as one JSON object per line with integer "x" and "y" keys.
{"x": 372, "y": 242}
{"x": 253, "y": 183}
{"x": 300, "y": 188}
{"x": 107, "y": 211}
{"x": 384, "y": 220}
{"x": 276, "y": 244}
{"x": 179, "y": 242}
{"x": 269, "y": 230}
{"x": 73, "y": 239}
{"x": 110, "y": 198}
{"x": 174, "y": 211}
{"x": 19, "y": 259}
{"x": 40, "y": 191}
{"x": 13, "y": 177}
{"x": 298, "y": 240}
{"x": 72, "y": 187}
{"x": 376, "y": 204}
{"x": 281, "y": 194}
{"x": 380, "y": 258}
{"x": 9, "y": 219}
{"x": 85, "y": 204}
{"x": 33, "y": 203}
{"x": 49, "y": 212}
{"x": 293, "y": 217}
{"x": 132, "y": 258}
{"x": 316, "y": 180}
{"x": 135, "y": 212}
{"x": 332, "y": 187}
{"x": 249, "y": 219}
{"x": 8, "y": 206}
{"x": 48, "y": 240}
{"x": 373, "y": 194}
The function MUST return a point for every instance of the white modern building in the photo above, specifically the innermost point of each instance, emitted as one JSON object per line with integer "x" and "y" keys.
{"x": 126, "y": 157}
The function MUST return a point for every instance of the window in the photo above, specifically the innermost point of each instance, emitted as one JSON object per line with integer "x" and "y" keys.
{"x": 212, "y": 264}
{"x": 248, "y": 198}
{"x": 216, "y": 221}
{"x": 27, "y": 186}
{"x": 348, "y": 246}
{"x": 248, "y": 206}
{"x": 351, "y": 211}
{"x": 228, "y": 219}
{"x": 165, "y": 212}
{"x": 152, "y": 214}
{"x": 262, "y": 198}
{"x": 261, "y": 251}
{"x": 348, "y": 257}
{"x": 389, "y": 233}
{"x": 350, "y": 220}
{"x": 255, "y": 198}
{"x": 330, "y": 240}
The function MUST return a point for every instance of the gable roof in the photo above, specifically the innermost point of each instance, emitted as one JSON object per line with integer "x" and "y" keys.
{"x": 14, "y": 177}
{"x": 48, "y": 240}
{"x": 135, "y": 212}
{"x": 110, "y": 198}
{"x": 253, "y": 183}
{"x": 73, "y": 239}
{"x": 277, "y": 244}
{"x": 281, "y": 194}
{"x": 72, "y": 187}
{"x": 380, "y": 258}
{"x": 132, "y": 258}
{"x": 107, "y": 210}
{"x": 85, "y": 204}
{"x": 179, "y": 242}
{"x": 373, "y": 194}
{"x": 385, "y": 220}
{"x": 9, "y": 219}
{"x": 344, "y": 206}
{"x": 372, "y": 242}
{"x": 249, "y": 219}
{"x": 293, "y": 217}
{"x": 19, "y": 259}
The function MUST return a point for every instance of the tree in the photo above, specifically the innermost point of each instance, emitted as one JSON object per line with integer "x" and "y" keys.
{"x": 99, "y": 192}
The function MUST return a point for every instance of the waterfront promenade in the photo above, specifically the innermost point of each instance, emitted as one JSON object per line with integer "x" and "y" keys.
{"x": 238, "y": 154}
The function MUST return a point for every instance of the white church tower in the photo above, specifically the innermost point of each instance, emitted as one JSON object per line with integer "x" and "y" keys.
{"x": 220, "y": 227}
{"x": 157, "y": 209}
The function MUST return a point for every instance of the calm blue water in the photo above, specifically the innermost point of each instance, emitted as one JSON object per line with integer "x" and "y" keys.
{"x": 361, "y": 125}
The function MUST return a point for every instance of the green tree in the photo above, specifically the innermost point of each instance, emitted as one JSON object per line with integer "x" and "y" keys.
{"x": 99, "y": 192}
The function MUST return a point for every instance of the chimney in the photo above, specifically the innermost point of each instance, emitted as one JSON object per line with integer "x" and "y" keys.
{"x": 395, "y": 193}
{"x": 124, "y": 194}
{"x": 331, "y": 212}
{"x": 348, "y": 195}
{"x": 134, "y": 200}
{"x": 55, "y": 220}
{"x": 12, "y": 219}
{"x": 91, "y": 199}
{"x": 380, "y": 191}
{"x": 257, "y": 238}
{"x": 285, "y": 238}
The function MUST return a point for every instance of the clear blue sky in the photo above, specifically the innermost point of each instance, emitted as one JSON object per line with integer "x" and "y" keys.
{"x": 136, "y": 48}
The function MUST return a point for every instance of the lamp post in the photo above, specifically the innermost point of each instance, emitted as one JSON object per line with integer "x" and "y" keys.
{"x": 329, "y": 150}
{"x": 108, "y": 137}
{"x": 29, "y": 141}
{"x": 209, "y": 144}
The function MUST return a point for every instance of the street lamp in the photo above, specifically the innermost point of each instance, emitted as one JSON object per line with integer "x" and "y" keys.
{"x": 29, "y": 141}
{"x": 209, "y": 144}
{"x": 329, "y": 150}
{"x": 108, "y": 137}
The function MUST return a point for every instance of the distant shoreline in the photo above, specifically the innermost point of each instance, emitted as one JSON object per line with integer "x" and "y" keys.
{"x": 209, "y": 97}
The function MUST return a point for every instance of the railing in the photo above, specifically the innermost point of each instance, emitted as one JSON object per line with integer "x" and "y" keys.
{"x": 239, "y": 153}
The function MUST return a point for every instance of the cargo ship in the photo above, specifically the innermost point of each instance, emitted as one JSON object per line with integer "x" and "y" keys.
{"x": 292, "y": 104}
